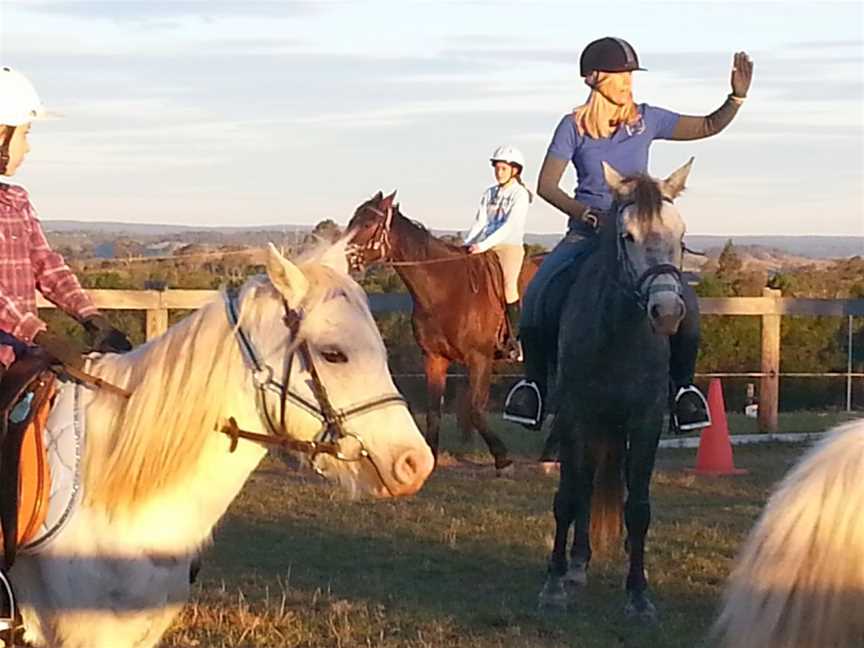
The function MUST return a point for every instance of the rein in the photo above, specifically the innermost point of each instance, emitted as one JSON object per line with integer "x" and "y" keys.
{"x": 333, "y": 421}
{"x": 380, "y": 242}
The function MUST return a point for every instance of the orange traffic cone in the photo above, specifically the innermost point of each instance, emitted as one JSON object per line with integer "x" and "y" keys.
{"x": 714, "y": 456}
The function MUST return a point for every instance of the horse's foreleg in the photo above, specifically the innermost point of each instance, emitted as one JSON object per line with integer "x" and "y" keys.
{"x": 580, "y": 554}
{"x": 565, "y": 505}
{"x": 637, "y": 513}
{"x": 554, "y": 593}
{"x": 436, "y": 380}
{"x": 479, "y": 377}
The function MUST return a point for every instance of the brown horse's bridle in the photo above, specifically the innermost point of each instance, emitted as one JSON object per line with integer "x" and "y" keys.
{"x": 379, "y": 241}
{"x": 333, "y": 421}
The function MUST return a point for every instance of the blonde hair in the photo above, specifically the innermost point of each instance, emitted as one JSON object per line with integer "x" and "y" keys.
{"x": 599, "y": 117}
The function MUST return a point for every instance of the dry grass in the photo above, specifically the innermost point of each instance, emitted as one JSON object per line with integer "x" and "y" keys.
{"x": 460, "y": 564}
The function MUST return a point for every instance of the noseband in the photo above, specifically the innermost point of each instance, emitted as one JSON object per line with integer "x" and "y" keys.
{"x": 333, "y": 421}
{"x": 641, "y": 286}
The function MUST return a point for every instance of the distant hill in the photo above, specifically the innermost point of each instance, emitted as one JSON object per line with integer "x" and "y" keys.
{"x": 163, "y": 238}
{"x": 813, "y": 247}
{"x": 160, "y": 229}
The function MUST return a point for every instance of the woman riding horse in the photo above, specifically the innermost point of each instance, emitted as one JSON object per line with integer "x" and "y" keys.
{"x": 609, "y": 127}
{"x": 500, "y": 227}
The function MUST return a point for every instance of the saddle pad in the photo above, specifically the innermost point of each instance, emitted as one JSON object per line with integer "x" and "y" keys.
{"x": 64, "y": 443}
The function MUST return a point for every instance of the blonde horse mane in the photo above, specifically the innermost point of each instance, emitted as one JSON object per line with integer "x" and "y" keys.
{"x": 180, "y": 382}
{"x": 799, "y": 579}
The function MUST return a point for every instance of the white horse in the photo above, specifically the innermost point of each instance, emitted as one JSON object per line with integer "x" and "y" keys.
{"x": 158, "y": 473}
{"x": 799, "y": 579}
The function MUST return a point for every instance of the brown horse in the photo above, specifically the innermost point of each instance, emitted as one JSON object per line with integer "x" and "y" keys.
{"x": 458, "y": 312}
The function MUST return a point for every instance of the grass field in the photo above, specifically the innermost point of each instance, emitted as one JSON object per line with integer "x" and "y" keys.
{"x": 461, "y": 563}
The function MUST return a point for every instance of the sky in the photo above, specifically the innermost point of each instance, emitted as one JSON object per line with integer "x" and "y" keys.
{"x": 274, "y": 113}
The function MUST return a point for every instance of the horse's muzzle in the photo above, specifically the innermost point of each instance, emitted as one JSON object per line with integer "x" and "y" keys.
{"x": 410, "y": 470}
{"x": 666, "y": 312}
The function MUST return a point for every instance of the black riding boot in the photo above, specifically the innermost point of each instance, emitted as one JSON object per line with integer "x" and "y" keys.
{"x": 513, "y": 348}
{"x": 524, "y": 404}
{"x": 689, "y": 407}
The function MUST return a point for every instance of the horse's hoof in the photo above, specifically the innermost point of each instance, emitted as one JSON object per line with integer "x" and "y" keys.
{"x": 577, "y": 575}
{"x": 554, "y": 595}
{"x": 640, "y": 608}
{"x": 505, "y": 469}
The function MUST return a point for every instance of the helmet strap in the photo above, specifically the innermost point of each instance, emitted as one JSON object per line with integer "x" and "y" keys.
{"x": 4, "y": 148}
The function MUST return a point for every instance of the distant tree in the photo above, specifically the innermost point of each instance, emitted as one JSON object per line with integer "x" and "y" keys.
{"x": 729, "y": 264}
{"x": 328, "y": 230}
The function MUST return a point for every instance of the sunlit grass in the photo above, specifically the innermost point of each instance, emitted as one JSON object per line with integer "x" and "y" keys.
{"x": 461, "y": 563}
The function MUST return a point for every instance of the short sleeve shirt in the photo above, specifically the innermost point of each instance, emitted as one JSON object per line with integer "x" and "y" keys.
{"x": 626, "y": 150}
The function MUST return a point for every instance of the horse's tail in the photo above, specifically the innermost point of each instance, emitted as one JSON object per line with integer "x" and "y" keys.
{"x": 607, "y": 503}
{"x": 799, "y": 578}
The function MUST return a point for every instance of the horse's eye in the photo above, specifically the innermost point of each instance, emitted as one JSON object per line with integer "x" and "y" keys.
{"x": 627, "y": 236}
{"x": 334, "y": 356}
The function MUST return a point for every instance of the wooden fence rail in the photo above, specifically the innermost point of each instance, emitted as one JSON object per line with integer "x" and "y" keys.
{"x": 771, "y": 307}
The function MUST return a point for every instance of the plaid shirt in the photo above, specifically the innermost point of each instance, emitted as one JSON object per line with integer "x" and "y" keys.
{"x": 28, "y": 263}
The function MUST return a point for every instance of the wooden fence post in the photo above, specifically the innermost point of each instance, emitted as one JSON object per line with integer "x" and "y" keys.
{"x": 157, "y": 319}
{"x": 769, "y": 387}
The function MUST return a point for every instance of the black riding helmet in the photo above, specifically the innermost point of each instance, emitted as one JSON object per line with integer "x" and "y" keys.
{"x": 608, "y": 55}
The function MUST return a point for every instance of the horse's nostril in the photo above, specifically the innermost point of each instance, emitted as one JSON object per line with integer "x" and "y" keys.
{"x": 411, "y": 469}
{"x": 655, "y": 311}
{"x": 405, "y": 468}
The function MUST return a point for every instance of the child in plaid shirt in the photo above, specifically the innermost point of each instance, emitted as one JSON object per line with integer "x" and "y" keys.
{"x": 27, "y": 262}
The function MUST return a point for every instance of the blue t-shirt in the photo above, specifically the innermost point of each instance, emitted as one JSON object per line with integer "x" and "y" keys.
{"x": 626, "y": 151}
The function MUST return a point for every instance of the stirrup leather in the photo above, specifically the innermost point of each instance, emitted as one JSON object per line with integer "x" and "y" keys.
{"x": 522, "y": 419}
{"x": 686, "y": 427}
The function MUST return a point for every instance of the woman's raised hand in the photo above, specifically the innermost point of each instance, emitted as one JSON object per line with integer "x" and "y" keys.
{"x": 742, "y": 74}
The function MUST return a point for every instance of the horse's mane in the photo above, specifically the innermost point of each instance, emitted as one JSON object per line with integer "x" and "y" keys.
{"x": 799, "y": 579}
{"x": 179, "y": 384}
{"x": 423, "y": 236}
{"x": 646, "y": 197}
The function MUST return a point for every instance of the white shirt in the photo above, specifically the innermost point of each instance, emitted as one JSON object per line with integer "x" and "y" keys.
{"x": 500, "y": 218}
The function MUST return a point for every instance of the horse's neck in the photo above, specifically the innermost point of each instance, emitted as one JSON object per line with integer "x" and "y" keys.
{"x": 617, "y": 318}
{"x": 183, "y": 516}
{"x": 410, "y": 242}
{"x": 182, "y": 513}
{"x": 427, "y": 283}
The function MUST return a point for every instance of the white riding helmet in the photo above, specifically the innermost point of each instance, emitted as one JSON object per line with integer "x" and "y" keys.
{"x": 19, "y": 102}
{"x": 509, "y": 154}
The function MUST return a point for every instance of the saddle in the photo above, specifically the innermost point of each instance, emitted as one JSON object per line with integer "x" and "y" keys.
{"x": 26, "y": 394}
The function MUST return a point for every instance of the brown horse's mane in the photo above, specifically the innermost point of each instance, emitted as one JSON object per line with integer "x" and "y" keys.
{"x": 423, "y": 238}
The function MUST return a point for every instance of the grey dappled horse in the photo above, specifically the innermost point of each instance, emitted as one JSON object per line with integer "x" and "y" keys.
{"x": 613, "y": 382}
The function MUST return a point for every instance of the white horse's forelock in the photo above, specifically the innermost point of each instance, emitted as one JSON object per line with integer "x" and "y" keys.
{"x": 799, "y": 579}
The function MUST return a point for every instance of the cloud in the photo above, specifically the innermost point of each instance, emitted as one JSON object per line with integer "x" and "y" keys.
{"x": 830, "y": 45}
{"x": 148, "y": 10}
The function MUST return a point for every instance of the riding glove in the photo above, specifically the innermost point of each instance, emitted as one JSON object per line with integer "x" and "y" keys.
{"x": 105, "y": 338}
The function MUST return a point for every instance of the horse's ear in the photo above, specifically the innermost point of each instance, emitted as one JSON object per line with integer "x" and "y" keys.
{"x": 387, "y": 203}
{"x": 378, "y": 197}
{"x": 675, "y": 183}
{"x": 286, "y": 277}
{"x": 614, "y": 179}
